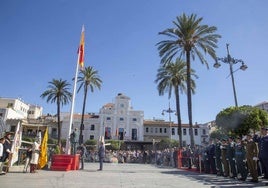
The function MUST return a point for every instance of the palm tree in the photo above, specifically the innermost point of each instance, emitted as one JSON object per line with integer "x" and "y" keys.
{"x": 58, "y": 92}
{"x": 187, "y": 39}
{"x": 173, "y": 76}
{"x": 88, "y": 78}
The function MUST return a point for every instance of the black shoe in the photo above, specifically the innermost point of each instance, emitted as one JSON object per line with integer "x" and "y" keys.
{"x": 99, "y": 169}
{"x": 254, "y": 181}
{"x": 264, "y": 177}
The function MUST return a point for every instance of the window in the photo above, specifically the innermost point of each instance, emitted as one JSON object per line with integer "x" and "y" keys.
{"x": 108, "y": 118}
{"x": 121, "y": 134}
{"x": 54, "y": 132}
{"x": 173, "y": 131}
{"x": 147, "y": 129}
{"x": 134, "y": 119}
{"x": 91, "y": 137}
{"x": 121, "y": 119}
{"x": 134, "y": 134}
{"x": 122, "y": 105}
{"x": 10, "y": 105}
{"x": 155, "y": 130}
{"x": 92, "y": 127}
{"x": 195, "y": 132}
{"x": 152, "y": 130}
{"x": 165, "y": 130}
{"x": 160, "y": 130}
{"x": 184, "y": 131}
{"x": 204, "y": 131}
{"x": 108, "y": 134}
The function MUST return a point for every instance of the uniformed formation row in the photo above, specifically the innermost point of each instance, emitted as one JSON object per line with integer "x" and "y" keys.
{"x": 236, "y": 157}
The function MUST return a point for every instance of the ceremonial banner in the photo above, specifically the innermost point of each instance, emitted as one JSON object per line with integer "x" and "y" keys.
{"x": 16, "y": 144}
{"x": 43, "y": 151}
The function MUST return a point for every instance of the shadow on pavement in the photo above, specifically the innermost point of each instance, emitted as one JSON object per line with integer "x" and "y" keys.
{"x": 215, "y": 181}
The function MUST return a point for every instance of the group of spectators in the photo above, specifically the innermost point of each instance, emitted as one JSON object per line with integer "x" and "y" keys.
{"x": 5, "y": 152}
{"x": 238, "y": 157}
{"x": 166, "y": 157}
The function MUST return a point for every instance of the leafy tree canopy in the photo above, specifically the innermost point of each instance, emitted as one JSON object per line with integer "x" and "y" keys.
{"x": 237, "y": 121}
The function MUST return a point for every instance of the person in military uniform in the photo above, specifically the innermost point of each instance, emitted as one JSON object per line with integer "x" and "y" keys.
{"x": 230, "y": 155}
{"x": 263, "y": 151}
{"x": 211, "y": 157}
{"x": 252, "y": 157}
{"x": 226, "y": 169}
{"x": 206, "y": 159}
{"x": 240, "y": 158}
{"x": 74, "y": 141}
{"x": 218, "y": 157}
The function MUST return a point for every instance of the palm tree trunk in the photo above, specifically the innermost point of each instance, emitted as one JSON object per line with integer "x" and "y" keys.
{"x": 81, "y": 139}
{"x": 189, "y": 97}
{"x": 59, "y": 123}
{"x": 177, "y": 95}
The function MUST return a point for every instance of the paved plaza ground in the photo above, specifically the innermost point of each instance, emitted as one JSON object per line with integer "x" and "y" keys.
{"x": 119, "y": 176}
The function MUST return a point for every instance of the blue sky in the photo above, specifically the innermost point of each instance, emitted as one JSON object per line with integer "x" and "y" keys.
{"x": 39, "y": 40}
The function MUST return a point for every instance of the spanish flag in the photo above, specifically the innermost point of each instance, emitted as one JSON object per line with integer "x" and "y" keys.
{"x": 43, "y": 151}
{"x": 81, "y": 49}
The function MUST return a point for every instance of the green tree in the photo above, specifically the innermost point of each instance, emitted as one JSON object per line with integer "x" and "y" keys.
{"x": 173, "y": 76}
{"x": 189, "y": 38}
{"x": 88, "y": 78}
{"x": 58, "y": 92}
{"x": 238, "y": 121}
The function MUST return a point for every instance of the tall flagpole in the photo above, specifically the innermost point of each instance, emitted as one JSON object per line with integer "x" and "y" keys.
{"x": 68, "y": 144}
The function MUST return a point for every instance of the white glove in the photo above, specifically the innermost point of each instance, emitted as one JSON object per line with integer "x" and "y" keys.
{"x": 255, "y": 158}
{"x": 221, "y": 147}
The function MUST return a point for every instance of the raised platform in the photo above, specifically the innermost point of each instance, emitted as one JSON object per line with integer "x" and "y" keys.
{"x": 63, "y": 162}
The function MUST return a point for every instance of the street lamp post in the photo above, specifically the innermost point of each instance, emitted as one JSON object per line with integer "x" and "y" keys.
{"x": 169, "y": 111}
{"x": 231, "y": 61}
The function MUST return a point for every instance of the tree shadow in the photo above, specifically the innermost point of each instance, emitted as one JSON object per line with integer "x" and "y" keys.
{"x": 215, "y": 181}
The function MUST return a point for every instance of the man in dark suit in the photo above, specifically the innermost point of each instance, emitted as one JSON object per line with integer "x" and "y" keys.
{"x": 101, "y": 155}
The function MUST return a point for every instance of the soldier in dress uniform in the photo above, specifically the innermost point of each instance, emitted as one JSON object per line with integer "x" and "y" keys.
{"x": 230, "y": 154}
{"x": 211, "y": 157}
{"x": 252, "y": 157}
{"x": 240, "y": 158}
{"x": 263, "y": 151}
{"x": 218, "y": 157}
{"x": 225, "y": 163}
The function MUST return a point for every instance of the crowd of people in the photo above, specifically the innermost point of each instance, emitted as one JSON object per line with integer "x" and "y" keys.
{"x": 5, "y": 152}
{"x": 238, "y": 158}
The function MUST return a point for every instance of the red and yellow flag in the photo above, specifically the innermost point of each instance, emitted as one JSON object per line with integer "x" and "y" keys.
{"x": 81, "y": 49}
{"x": 43, "y": 151}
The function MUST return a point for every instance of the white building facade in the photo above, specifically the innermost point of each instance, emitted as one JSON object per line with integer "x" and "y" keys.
{"x": 18, "y": 109}
{"x": 115, "y": 121}
{"x": 262, "y": 105}
{"x": 159, "y": 129}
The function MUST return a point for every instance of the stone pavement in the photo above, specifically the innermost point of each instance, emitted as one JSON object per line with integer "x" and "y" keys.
{"x": 119, "y": 176}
